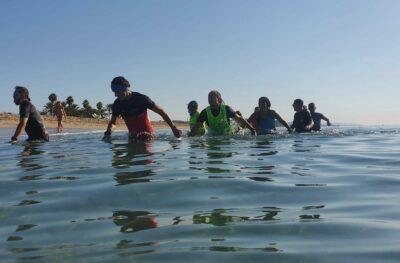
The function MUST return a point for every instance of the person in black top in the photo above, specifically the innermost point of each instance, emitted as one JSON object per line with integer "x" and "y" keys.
{"x": 132, "y": 107}
{"x": 30, "y": 119}
{"x": 302, "y": 121}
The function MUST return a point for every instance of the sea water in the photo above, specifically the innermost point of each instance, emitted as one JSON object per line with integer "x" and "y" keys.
{"x": 332, "y": 196}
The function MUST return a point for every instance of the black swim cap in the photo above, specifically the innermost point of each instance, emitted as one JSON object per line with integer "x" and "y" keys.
{"x": 298, "y": 102}
{"x": 193, "y": 104}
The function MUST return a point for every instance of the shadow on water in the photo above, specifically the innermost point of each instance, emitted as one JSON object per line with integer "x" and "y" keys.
{"x": 132, "y": 155}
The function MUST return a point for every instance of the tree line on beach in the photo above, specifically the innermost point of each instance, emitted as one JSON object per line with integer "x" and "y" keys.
{"x": 101, "y": 111}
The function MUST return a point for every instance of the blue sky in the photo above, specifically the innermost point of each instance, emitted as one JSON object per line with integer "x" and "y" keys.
{"x": 342, "y": 55}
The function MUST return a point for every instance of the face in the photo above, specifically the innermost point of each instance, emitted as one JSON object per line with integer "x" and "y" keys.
{"x": 312, "y": 108}
{"x": 17, "y": 98}
{"x": 121, "y": 94}
{"x": 263, "y": 105}
{"x": 297, "y": 107}
{"x": 213, "y": 100}
{"x": 192, "y": 110}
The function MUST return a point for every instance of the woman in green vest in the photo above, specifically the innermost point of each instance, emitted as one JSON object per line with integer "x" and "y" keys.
{"x": 194, "y": 115}
{"x": 217, "y": 117}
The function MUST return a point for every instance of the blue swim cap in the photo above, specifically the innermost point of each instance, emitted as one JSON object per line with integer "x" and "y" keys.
{"x": 119, "y": 84}
{"x": 116, "y": 88}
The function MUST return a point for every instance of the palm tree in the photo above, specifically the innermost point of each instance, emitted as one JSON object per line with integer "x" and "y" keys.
{"x": 100, "y": 109}
{"x": 49, "y": 107}
{"x": 53, "y": 98}
{"x": 71, "y": 108}
{"x": 109, "y": 109}
{"x": 87, "y": 109}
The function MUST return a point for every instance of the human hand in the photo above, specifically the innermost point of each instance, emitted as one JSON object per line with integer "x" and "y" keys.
{"x": 107, "y": 136}
{"x": 14, "y": 140}
{"x": 177, "y": 132}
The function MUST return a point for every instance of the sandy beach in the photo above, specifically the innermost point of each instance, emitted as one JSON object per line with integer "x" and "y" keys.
{"x": 8, "y": 120}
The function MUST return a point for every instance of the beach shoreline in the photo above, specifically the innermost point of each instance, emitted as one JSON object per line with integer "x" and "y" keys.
{"x": 9, "y": 120}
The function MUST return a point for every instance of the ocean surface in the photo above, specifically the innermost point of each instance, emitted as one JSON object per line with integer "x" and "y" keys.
{"x": 325, "y": 197}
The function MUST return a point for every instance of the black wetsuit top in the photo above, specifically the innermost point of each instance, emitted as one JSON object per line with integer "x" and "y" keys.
{"x": 34, "y": 127}
{"x": 230, "y": 113}
{"x": 132, "y": 107}
{"x": 301, "y": 120}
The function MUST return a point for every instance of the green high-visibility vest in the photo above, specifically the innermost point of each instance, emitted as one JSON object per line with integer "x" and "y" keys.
{"x": 218, "y": 125}
{"x": 193, "y": 121}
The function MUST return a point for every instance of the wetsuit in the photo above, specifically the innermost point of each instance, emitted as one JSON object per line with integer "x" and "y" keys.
{"x": 301, "y": 120}
{"x": 134, "y": 112}
{"x": 218, "y": 120}
{"x": 34, "y": 127}
{"x": 263, "y": 125}
{"x": 317, "y": 121}
{"x": 193, "y": 121}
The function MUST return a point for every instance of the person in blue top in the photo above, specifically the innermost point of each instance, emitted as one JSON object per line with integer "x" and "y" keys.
{"x": 317, "y": 117}
{"x": 263, "y": 120}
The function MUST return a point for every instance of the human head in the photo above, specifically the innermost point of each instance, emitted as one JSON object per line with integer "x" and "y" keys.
{"x": 311, "y": 107}
{"x": 256, "y": 109}
{"x": 120, "y": 87}
{"x": 20, "y": 94}
{"x": 192, "y": 107}
{"x": 264, "y": 103}
{"x": 214, "y": 98}
{"x": 298, "y": 104}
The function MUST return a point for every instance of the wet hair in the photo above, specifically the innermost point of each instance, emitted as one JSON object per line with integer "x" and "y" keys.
{"x": 22, "y": 90}
{"x": 120, "y": 81}
{"x": 266, "y": 100}
{"x": 216, "y": 94}
{"x": 298, "y": 102}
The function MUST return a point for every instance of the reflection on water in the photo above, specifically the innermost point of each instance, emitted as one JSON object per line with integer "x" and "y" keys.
{"x": 301, "y": 197}
{"x": 133, "y": 221}
{"x": 28, "y": 161}
{"x": 130, "y": 155}
{"x": 219, "y": 217}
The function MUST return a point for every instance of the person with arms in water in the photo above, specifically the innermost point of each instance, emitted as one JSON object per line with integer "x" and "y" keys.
{"x": 59, "y": 112}
{"x": 29, "y": 117}
{"x": 302, "y": 121}
{"x": 263, "y": 120}
{"x": 217, "y": 117}
{"x": 317, "y": 117}
{"x": 132, "y": 107}
{"x": 194, "y": 115}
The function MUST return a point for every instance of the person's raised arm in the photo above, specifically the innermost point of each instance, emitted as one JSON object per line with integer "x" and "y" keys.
{"x": 283, "y": 122}
{"x": 21, "y": 126}
{"x": 157, "y": 109}
{"x": 244, "y": 123}
{"x": 110, "y": 127}
{"x": 326, "y": 119}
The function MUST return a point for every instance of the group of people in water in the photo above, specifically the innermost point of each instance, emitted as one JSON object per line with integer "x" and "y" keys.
{"x": 133, "y": 106}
